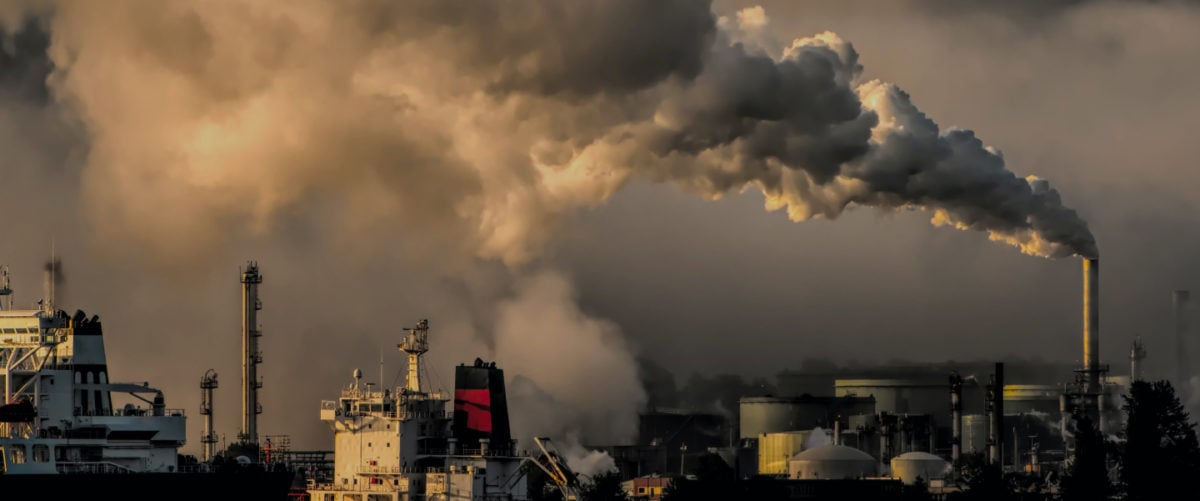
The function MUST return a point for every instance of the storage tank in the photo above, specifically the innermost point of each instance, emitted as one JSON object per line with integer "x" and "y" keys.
{"x": 776, "y": 449}
{"x": 909, "y": 466}
{"x": 975, "y": 433}
{"x": 832, "y": 462}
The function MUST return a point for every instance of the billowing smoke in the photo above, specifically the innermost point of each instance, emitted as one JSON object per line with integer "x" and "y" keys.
{"x": 463, "y": 131}
{"x": 481, "y": 125}
{"x": 564, "y": 363}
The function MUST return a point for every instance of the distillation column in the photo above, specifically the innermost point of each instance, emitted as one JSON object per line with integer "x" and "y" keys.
{"x": 251, "y": 357}
{"x": 209, "y": 438}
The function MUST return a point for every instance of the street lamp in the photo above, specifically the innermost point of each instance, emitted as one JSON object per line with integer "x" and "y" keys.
{"x": 682, "y": 457}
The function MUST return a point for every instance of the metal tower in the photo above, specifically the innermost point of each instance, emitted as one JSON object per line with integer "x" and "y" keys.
{"x": 251, "y": 356}
{"x": 5, "y": 289}
{"x": 1136, "y": 354}
{"x": 207, "y": 384}
{"x": 415, "y": 344}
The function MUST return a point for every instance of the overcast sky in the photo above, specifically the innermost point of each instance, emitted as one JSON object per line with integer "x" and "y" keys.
{"x": 106, "y": 135}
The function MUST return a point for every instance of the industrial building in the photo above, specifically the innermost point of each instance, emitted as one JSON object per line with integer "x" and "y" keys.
{"x": 829, "y": 434}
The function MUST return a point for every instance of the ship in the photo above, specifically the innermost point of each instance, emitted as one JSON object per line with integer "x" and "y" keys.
{"x": 69, "y": 432}
{"x": 409, "y": 444}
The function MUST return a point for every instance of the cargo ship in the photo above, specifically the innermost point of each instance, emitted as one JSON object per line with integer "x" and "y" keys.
{"x": 408, "y": 443}
{"x": 67, "y": 431}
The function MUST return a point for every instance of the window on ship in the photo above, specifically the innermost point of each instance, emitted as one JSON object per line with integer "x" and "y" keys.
{"x": 17, "y": 453}
{"x": 41, "y": 453}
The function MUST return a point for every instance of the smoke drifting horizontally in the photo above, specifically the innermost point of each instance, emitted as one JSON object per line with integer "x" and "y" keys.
{"x": 480, "y": 125}
{"x": 468, "y": 131}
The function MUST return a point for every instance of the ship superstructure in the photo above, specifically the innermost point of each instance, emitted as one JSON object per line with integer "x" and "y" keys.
{"x": 62, "y": 414}
{"x": 398, "y": 444}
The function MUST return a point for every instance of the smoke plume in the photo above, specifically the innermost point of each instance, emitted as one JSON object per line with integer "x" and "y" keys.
{"x": 465, "y": 132}
{"x": 565, "y": 363}
{"x": 462, "y": 125}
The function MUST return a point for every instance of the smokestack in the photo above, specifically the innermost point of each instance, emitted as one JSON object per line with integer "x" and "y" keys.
{"x": 251, "y": 357}
{"x": 956, "y": 385}
{"x": 1091, "y": 323}
{"x": 1062, "y": 424}
{"x": 48, "y": 287}
{"x": 1179, "y": 302}
{"x": 996, "y": 415}
{"x": 1137, "y": 353}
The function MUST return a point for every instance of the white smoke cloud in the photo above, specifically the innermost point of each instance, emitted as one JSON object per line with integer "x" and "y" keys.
{"x": 564, "y": 363}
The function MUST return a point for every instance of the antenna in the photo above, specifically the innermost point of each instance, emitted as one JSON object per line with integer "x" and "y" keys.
{"x": 5, "y": 289}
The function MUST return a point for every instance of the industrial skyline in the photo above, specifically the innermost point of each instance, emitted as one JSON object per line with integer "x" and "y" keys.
{"x": 1094, "y": 96}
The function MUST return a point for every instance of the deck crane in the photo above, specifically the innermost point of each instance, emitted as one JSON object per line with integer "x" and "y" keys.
{"x": 551, "y": 463}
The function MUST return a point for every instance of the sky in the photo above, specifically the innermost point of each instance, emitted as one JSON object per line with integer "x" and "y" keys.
{"x": 565, "y": 188}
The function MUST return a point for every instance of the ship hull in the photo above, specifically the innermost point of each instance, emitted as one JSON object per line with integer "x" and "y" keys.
{"x": 241, "y": 485}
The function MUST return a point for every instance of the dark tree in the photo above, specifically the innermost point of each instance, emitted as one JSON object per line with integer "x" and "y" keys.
{"x": 604, "y": 487}
{"x": 715, "y": 480}
{"x": 1162, "y": 456}
{"x": 982, "y": 481}
{"x": 1087, "y": 476}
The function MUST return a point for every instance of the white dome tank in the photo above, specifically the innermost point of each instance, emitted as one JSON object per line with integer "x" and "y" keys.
{"x": 832, "y": 462}
{"x": 910, "y": 465}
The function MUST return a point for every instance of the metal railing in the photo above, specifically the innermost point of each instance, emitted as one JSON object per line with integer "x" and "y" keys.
{"x": 92, "y": 467}
{"x": 138, "y": 412}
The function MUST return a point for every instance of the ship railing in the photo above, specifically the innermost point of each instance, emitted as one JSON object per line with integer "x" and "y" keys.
{"x": 384, "y": 487}
{"x": 92, "y": 467}
{"x": 195, "y": 468}
{"x": 137, "y": 412}
{"x": 367, "y": 469}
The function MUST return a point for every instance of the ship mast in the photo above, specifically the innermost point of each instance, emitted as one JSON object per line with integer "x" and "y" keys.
{"x": 415, "y": 344}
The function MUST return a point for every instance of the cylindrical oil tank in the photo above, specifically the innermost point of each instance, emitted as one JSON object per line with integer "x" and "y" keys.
{"x": 1031, "y": 398}
{"x": 759, "y": 415}
{"x": 974, "y": 433}
{"x": 775, "y": 449}
{"x": 912, "y": 465}
{"x": 832, "y": 462}
{"x": 924, "y": 395}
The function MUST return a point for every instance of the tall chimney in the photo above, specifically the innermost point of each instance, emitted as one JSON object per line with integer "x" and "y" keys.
{"x": 1180, "y": 303}
{"x": 251, "y": 357}
{"x": 1091, "y": 323}
{"x": 956, "y": 384}
{"x": 996, "y": 416}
